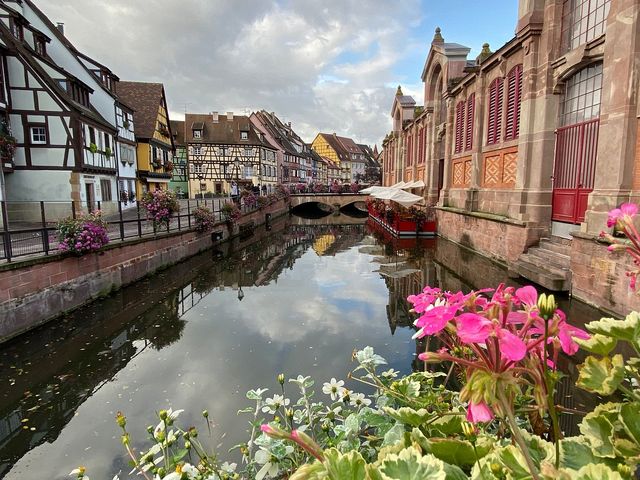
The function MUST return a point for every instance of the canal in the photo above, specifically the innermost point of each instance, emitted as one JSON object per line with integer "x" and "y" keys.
{"x": 296, "y": 299}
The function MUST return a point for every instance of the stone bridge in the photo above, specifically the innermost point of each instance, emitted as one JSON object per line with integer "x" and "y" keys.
{"x": 336, "y": 201}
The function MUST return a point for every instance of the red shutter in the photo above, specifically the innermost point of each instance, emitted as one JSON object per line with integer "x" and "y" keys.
{"x": 409, "y": 150}
{"x": 514, "y": 93}
{"x": 459, "y": 127}
{"x": 471, "y": 110}
{"x": 495, "y": 112}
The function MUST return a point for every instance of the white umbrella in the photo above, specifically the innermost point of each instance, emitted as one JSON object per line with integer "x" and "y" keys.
{"x": 373, "y": 189}
{"x": 406, "y": 199}
{"x": 398, "y": 185}
{"x": 385, "y": 194}
{"x": 414, "y": 184}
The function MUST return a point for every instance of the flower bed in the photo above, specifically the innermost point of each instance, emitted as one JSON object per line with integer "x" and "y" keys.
{"x": 160, "y": 205}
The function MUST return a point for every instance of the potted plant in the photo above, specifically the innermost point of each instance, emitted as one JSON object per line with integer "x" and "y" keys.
{"x": 93, "y": 148}
{"x": 108, "y": 152}
{"x": 85, "y": 234}
{"x": 7, "y": 146}
{"x": 160, "y": 206}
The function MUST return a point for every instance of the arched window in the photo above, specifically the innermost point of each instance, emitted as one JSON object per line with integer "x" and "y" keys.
{"x": 582, "y": 21}
{"x": 494, "y": 123}
{"x": 514, "y": 94}
{"x": 459, "y": 132}
{"x": 471, "y": 110}
{"x": 581, "y": 100}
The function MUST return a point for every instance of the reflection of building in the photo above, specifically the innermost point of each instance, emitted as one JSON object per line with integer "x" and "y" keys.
{"x": 179, "y": 182}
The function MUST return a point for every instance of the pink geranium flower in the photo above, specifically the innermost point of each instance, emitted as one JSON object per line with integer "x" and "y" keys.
{"x": 479, "y": 412}
{"x": 474, "y": 328}
{"x": 434, "y": 320}
{"x": 627, "y": 210}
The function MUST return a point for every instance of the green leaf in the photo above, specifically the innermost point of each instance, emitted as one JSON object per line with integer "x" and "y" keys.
{"x": 575, "y": 453}
{"x": 348, "y": 466}
{"x": 394, "y": 435}
{"x": 597, "y": 472}
{"x": 597, "y": 427}
{"x": 310, "y": 471}
{"x": 598, "y": 344}
{"x": 409, "y": 416}
{"x": 601, "y": 376}
{"x": 447, "y": 425}
{"x": 627, "y": 329}
{"x": 630, "y": 420}
{"x": 454, "y": 472}
{"x": 514, "y": 461}
{"x": 457, "y": 451}
{"x": 410, "y": 464}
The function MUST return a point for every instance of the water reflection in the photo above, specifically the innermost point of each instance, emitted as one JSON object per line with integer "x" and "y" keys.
{"x": 295, "y": 299}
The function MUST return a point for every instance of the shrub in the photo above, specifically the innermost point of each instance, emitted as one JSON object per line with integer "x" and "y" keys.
{"x": 354, "y": 188}
{"x": 250, "y": 200}
{"x": 204, "y": 219}
{"x": 264, "y": 200}
{"x": 84, "y": 234}
{"x": 160, "y": 206}
{"x": 282, "y": 191}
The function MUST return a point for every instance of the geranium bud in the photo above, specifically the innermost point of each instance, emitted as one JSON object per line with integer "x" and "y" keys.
{"x": 163, "y": 414}
{"x": 205, "y": 414}
{"x": 187, "y": 444}
{"x": 289, "y": 412}
{"x": 193, "y": 433}
{"x": 160, "y": 436}
{"x": 547, "y": 305}
{"x": 496, "y": 468}
{"x": 162, "y": 472}
{"x": 121, "y": 419}
{"x": 274, "y": 432}
{"x": 469, "y": 431}
{"x": 326, "y": 426}
{"x": 150, "y": 429}
{"x": 281, "y": 378}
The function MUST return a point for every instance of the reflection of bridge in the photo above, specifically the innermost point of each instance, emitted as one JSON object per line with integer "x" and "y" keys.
{"x": 334, "y": 200}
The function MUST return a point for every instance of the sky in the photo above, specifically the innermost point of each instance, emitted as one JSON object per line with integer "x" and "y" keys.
{"x": 330, "y": 66}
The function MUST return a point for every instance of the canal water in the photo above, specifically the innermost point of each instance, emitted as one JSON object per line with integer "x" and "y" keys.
{"x": 297, "y": 298}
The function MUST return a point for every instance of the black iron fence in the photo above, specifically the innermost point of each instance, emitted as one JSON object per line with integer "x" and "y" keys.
{"x": 29, "y": 228}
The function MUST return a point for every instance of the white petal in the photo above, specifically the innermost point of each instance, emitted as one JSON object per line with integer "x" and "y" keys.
{"x": 263, "y": 471}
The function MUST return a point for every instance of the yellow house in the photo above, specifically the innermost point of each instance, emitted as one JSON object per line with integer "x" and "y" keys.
{"x": 155, "y": 148}
{"x": 325, "y": 145}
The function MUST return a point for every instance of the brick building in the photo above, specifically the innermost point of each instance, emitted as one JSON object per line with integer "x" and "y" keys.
{"x": 526, "y": 148}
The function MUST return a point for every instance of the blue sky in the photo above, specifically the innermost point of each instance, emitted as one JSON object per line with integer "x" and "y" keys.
{"x": 330, "y": 66}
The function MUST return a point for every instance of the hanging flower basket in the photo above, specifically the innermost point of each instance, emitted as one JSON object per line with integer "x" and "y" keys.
{"x": 81, "y": 235}
{"x": 160, "y": 206}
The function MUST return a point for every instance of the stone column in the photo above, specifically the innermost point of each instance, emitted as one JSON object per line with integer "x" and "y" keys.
{"x": 618, "y": 114}
{"x": 431, "y": 168}
{"x": 447, "y": 139}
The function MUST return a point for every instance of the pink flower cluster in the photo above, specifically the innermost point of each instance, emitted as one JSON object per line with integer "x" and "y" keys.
{"x": 82, "y": 235}
{"x": 622, "y": 220}
{"x": 160, "y": 205}
{"x": 502, "y": 335}
{"x": 204, "y": 219}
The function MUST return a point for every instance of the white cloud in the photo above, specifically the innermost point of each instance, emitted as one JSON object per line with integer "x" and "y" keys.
{"x": 324, "y": 67}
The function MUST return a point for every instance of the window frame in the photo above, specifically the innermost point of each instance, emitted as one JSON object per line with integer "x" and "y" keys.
{"x": 470, "y": 112}
{"x": 494, "y": 111}
{"x": 514, "y": 100}
{"x": 45, "y": 133}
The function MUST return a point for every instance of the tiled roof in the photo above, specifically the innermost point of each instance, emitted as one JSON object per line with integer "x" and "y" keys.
{"x": 283, "y": 134}
{"x": 177, "y": 129}
{"x": 343, "y": 146}
{"x": 222, "y": 132}
{"x": 145, "y": 99}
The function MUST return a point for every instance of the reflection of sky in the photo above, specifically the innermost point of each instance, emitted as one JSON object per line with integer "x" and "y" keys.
{"x": 308, "y": 322}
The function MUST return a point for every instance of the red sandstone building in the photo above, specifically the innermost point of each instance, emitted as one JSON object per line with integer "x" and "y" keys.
{"x": 525, "y": 149}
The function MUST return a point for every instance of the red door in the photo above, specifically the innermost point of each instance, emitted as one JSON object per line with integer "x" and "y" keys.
{"x": 574, "y": 172}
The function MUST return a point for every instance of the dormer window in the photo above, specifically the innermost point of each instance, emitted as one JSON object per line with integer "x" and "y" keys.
{"x": 197, "y": 134}
{"x": 40, "y": 45}
{"x": 244, "y": 135}
{"x": 16, "y": 29}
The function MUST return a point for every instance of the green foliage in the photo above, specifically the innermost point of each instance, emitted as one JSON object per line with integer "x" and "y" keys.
{"x": 602, "y": 375}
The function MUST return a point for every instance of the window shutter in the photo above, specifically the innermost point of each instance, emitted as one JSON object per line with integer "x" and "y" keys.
{"x": 495, "y": 111}
{"x": 471, "y": 110}
{"x": 514, "y": 90}
{"x": 459, "y": 126}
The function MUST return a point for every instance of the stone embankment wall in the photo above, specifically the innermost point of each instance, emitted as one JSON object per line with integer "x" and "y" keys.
{"x": 496, "y": 237}
{"x": 599, "y": 277}
{"x": 35, "y": 291}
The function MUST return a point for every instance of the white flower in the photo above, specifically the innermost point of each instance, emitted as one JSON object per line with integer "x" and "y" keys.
{"x": 274, "y": 403}
{"x": 263, "y": 457}
{"x": 190, "y": 470}
{"x": 333, "y": 388}
{"x": 228, "y": 467}
{"x": 359, "y": 400}
{"x": 79, "y": 472}
{"x": 391, "y": 373}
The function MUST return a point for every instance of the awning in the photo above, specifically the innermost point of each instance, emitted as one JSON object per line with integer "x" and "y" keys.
{"x": 157, "y": 180}
{"x": 405, "y": 199}
{"x": 415, "y": 184}
{"x": 372, "y": 189}
{"x": 398, "y": 185}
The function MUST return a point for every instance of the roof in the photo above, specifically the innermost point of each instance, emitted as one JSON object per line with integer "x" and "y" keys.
{"x": 224, "y": 131}
{"x": 283, "y": 134}
{"x": 26, "y": 54}
{"x": 343, "y": 146}
{"x": 145, "y": 99}
{"x": 177, "y": 129}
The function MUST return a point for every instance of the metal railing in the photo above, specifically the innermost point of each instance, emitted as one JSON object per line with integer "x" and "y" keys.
{"x": 29, "y": 228}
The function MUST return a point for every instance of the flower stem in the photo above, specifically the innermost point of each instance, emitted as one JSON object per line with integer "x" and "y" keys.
{"x": 506, "y": 407}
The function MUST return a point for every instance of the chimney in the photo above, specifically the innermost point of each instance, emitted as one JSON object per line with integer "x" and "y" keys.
{"x": 214, "y": 117}
{"x": 60, "y": 27}
{"x": 230, "y": 116}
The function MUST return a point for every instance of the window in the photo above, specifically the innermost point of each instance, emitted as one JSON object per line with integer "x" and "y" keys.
{"x": 197, "y": 150}
{"x": 165, "y": 156}
{"x": 459, "y": 132}
{"x": 514, "y": 93}
{"x": 105, "y": 186}
{"x": 3, "y": 96}
{"x": 494, "y": 124}
{"x": 92, "y": 136}
{"x": 17, "y": 30}
{"x": 197, "y": 134}
{"x": 409, "y": 150}
{"x": 471, "y": 111}
{"x": 248, "y": 152}
{"x": 203, "y": 187}
{"x": 582, "y": 96}
{"x": 106, "y": 142}
{"x": 244, "y": 135}
{"x": 582, "y": 21}
{"x": 38, "y": 135}
{"x": 40, "y": 45}
{"x": 421, "y": 158}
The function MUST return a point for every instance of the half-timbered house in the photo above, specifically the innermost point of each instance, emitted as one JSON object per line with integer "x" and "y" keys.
{"x": 227, "y": 150}
{"x": 155, "y": 146}
{"x": 63, "y": 143}
{"x": 179, "y": 179}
